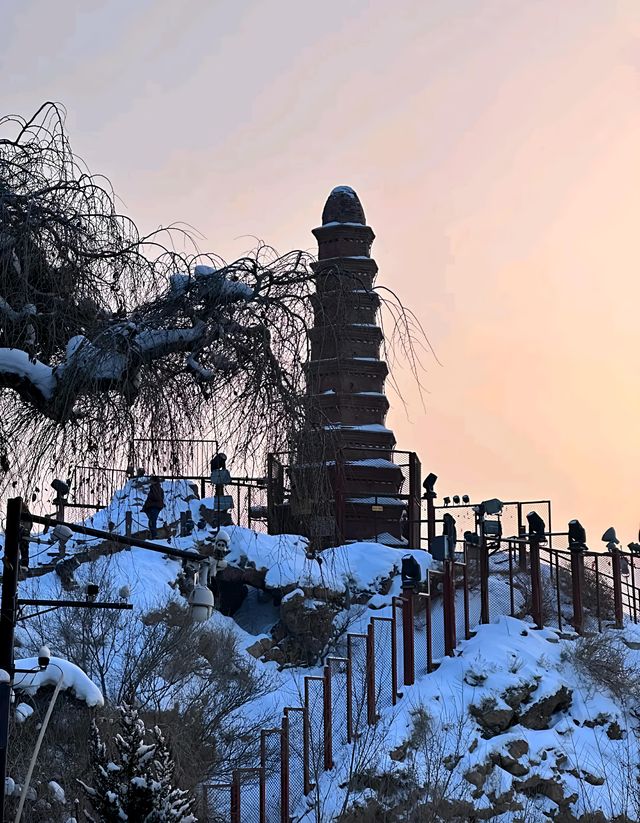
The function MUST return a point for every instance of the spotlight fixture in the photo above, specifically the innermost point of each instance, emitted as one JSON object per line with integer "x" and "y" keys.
{"x": 428, "y": 486}
{"x": 577, "y": 536}
{"x": 446, "y": 501}
{"x": 60, "y": 487}
{"x": 493, "y": 506}
{"x": 610, "y": 536}
{"x": 456, "y": 499}
{"x": 536, "y": 525}
{"x": 411, "y": 573}
{"x": 465, "y": 498}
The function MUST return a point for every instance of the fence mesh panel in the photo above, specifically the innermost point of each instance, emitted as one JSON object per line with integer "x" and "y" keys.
{"x": 460, "y": 602}
{"x": 382, "y": 633}
{"x": 217, "y": 802}
{"x": 499, "y": 582}
{"x": 357, "y": 653}
{"x": 630, "y": 601}
{"x": 339, "y": 686}
{"x": 296, "y": 757}
{"x": 399, "y": 628}
{"x": 421, "y": 606}
{"x": 249, "y": 793}
{"x": 597, "y": 594}
{"x": 437, "y": 617}
{"x": 314, "y": 689}
{"x": 271, "y": 763}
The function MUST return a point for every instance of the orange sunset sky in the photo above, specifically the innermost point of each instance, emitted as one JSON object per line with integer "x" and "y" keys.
{"x": 495, "y": 146}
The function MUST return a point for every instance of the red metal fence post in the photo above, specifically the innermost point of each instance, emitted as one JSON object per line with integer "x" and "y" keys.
{"x": 483, "y": 563}
{"x": 235, "y": 798}
{"x": 349, "y": 689}
{"x": 327, "y": 719}
{"x": 536, "y": 588}
{"x": 577, "y": 587}
{"x": 408, "y": 638}
{"x": 617, "y": 588}
{"x": 284, "y": 771}
{"x": 449, "y": 607}
{"x": 371, "y": 676}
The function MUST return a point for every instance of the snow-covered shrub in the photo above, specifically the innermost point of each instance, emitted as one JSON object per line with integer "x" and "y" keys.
{"x": 191, "y": 678}
{"x": 605, "y": 660}
{"x": 133, "y": 776}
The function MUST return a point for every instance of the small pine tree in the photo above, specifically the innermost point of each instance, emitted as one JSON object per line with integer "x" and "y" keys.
{"x": 139, "y": 788}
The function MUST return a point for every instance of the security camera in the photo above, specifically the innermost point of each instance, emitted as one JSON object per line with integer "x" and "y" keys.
{"x": 201, "y": 603}
{"x": 44, "y": 657}
{"x": 91, "y": 590}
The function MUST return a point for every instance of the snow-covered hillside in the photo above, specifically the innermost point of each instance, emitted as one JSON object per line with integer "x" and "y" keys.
{"x": 520, "y": 725}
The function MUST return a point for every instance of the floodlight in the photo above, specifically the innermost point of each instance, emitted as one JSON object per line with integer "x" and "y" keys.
{"x": 456, "y": 499}
{"x": 465, "y": 498}
{"x": 577, "y": 536}
{"x": 493, "y": 506}
{"x": 411, "y": 572}
{"x": 218, "y": 462}
{"x": 492, "y": 528}
{"x": 429, "y": 482}
{"x": 536, "y": 525}
{"x": 60, "y": 487}
{"x": 610, "y": 536}
{"x": 446, "y": 501}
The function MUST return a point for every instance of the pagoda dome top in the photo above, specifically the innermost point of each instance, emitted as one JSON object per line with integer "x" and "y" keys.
{"x": 343, "y": 206}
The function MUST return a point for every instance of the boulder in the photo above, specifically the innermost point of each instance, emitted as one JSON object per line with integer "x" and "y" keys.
{"x": 538, "y": 714}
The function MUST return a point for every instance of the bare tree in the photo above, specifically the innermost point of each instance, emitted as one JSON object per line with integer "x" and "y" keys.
{"x": 106, "y": 332}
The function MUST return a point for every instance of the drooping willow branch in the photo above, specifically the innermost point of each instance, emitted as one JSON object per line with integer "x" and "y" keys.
{"x": 105, "y": 333}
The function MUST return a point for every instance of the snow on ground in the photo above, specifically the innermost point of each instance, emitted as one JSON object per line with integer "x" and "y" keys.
{"x": 587, "y": 749}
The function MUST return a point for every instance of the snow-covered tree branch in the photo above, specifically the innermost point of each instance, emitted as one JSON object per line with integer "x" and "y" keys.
{"x": 104, "y": 330}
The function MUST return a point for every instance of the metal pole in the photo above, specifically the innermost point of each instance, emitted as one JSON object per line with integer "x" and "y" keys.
{"x": 408, "y": 638}
{"x": 536, "y": 590}
{"x": 484, "y": 577}
{"x": 449, "y": 608}
{"x": 617, "y": 587}
{"x": 11, "y": 561}
{"x": 577, "y": 585}
{"x": 327, "y": 719}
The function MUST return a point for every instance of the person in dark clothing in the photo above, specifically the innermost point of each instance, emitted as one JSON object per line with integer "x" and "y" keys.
{"x": 153, "y": 505}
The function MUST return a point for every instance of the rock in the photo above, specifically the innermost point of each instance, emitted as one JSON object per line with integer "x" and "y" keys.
{"x": 511, "y": 765}
{"x": 260, "y": 647}
{"x": 538, "y": 715}
{"x": 275, "y": 655}
{"x": 492, "y": 718}
{"x": 517, "y": 748}
{"x": 518, "y": 694}
{"x": 614, "y": 731}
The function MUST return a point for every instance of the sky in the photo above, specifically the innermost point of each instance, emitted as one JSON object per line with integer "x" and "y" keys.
{"x": 495, "y": 146}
